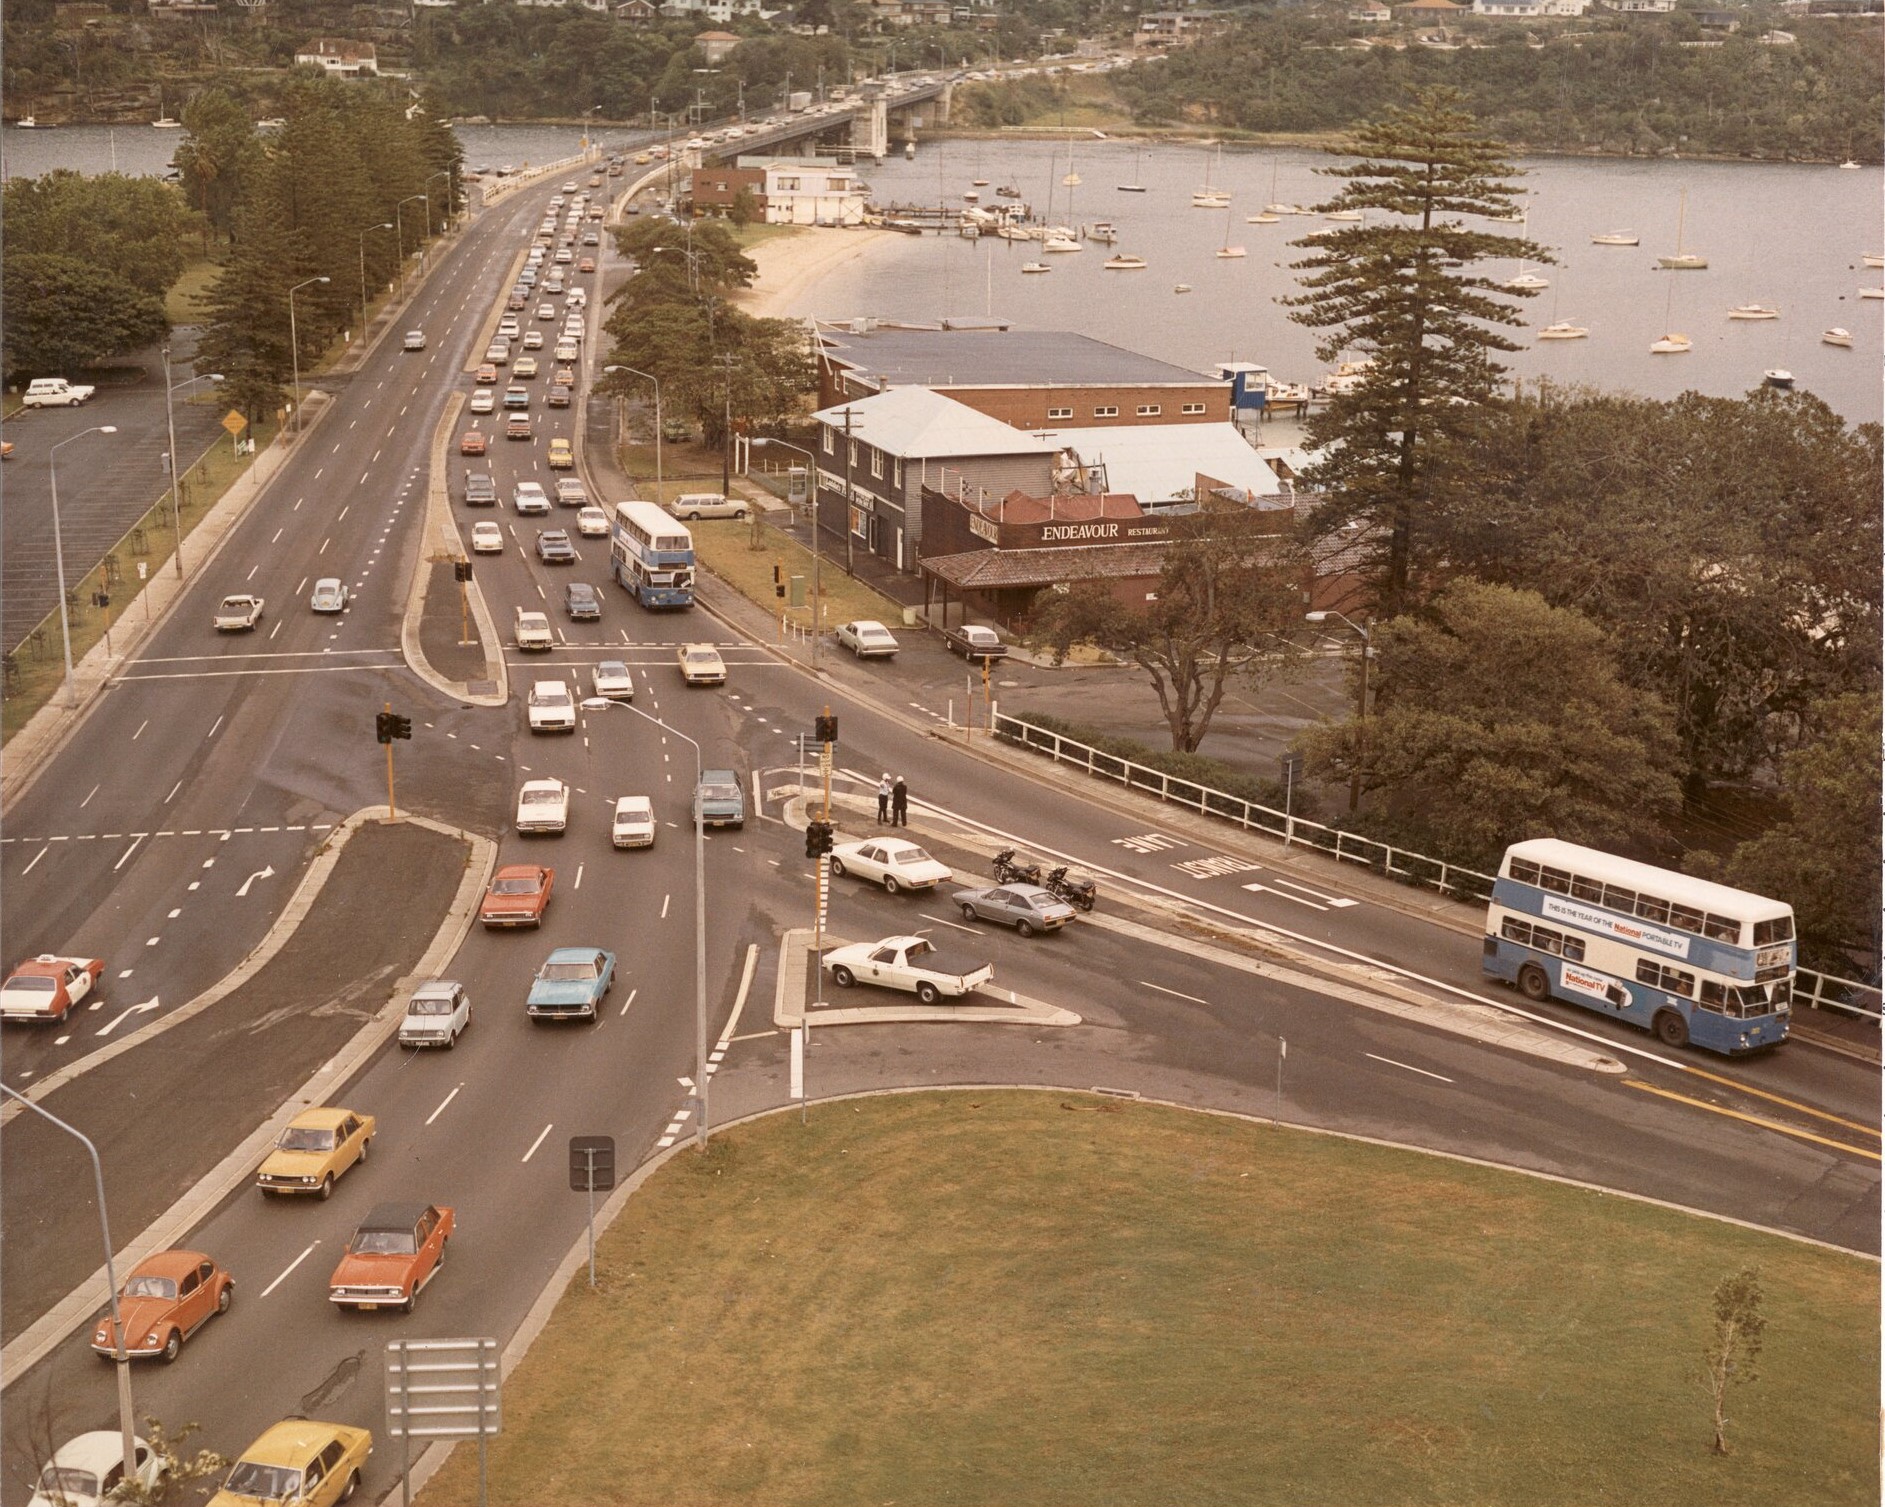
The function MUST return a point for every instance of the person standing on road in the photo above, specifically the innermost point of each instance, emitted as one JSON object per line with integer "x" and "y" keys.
{"x": 899, "y": 804}
{"x": 883, "y": 800}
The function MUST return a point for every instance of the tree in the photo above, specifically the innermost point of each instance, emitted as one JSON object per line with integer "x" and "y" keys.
{"x": 63, "y": 314}
{"x": 1386, "y": 291}
{"x": 130, "y": 228}
{"x": 217, "y": 157}
{"x": 1227, "y": 590}
{"x": 744, "y": 208}
{"x": 1498, "y": 717}
{"x": 1733, "y": 1346}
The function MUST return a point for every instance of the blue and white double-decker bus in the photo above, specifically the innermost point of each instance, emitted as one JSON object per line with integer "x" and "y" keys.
{"x": 1690, "y": 960}
{"x": 652, "y": 556}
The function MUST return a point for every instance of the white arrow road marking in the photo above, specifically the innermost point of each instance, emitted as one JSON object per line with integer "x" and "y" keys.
{"x": 267, "y": 873}
{"x": 1334, "y": 902}
{"x": 129, "y": 1010}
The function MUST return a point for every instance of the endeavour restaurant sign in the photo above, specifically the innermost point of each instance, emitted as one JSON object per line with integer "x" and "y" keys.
{"x": 1041, "y": 535}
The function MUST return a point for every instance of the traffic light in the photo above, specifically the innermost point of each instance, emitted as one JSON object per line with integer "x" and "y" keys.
{"x": 461, "y": 570}
{"x": 817, "y": 839}
{"x": 402, "y": 726}
{"x": 825, "y": 729}
{"x": 383, "y": 726}
{"x": 778, "y": 579}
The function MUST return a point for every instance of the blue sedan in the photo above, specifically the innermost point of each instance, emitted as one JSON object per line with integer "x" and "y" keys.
{"x": 1028, "y": 908}
{"x": 571, "y": 984}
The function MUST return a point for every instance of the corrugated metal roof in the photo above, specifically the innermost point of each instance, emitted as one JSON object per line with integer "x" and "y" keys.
{"x": 918, "y": 424}
{"x": 1159, "y": 462}
{"x": 996, "y": 358}
{"x": 994, "y": 569}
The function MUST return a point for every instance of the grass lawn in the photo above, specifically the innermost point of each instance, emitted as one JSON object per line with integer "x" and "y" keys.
{"x": 180, "y": 303}
{"x": 749, "y": 236}
{"x": 1044, "y": 1298}
{"x": 724, "y": 546}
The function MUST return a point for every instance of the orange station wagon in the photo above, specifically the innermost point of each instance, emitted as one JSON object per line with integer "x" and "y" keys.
{"x": 395, "y": 1252}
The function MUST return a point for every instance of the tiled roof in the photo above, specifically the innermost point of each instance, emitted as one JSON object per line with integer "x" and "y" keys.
{"x": 993, "y": 569}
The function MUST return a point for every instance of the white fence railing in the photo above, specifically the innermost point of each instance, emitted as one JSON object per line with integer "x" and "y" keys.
{"x": 1814, "y": 991}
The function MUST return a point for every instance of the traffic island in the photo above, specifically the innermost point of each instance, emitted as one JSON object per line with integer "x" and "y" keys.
{"x": 447, "y": 635}
{"x": 1053, "y": 1297}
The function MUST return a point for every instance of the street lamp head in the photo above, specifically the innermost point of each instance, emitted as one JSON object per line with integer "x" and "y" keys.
{"x": 322, "y": 279}
{"x": 107, "y": 428}
{"x": 1315, "y": 617}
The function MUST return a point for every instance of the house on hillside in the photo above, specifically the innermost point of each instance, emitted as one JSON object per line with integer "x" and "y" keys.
{"x": 340, "y": 58}
{"x": 713, "y": 46}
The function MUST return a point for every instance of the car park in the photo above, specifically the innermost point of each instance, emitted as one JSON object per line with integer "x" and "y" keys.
{"x": 480, "y": 490}
{"x": 301, "y": 1461}
{"x": 529, "y": 497}
{"x": 518, "y": 427}
{"x": 570, "y": 492}
{"x": 394, "y": 1254}
{"x": 166, "y": 1299}
{"x": 551, "y": 708}
{"x": 633, "y": 825}
{"x": 483, "y": 400}
{"x": 973, "y": 641}
{"x": 718, "y": 799}
{"x": 524, "y": 367}
{"x": 531, "y": 629}
{"x": 438, "y": 1012}
{"x": 543, "y": 806}
{"x": 581, "y": 602}
{"x": 487, "y": 374}
{"x": 867, "y": 639}
{"x": 610, "y": 679}
{"x": 487, "y": 539}
{"x": 1028, "y": 908}
{"x": 314, "y": 1150}
{"x": 88, "y": 1471}
{"x": 554, "y": 547}
{"x": 516, "y": 397}
{"x": 893, "y": 862}
{"x": 472, "y": 442}
{"x": 571, "y": 984}
{"x": 592, "y": 523}
{"x": 519, "y": 895}
{"x": 329, "y": 595}
{"x": 561, "y": 455}
{"x": 48, "y": 987}
{"x": 558, "y": 395}
{"x": 701, "y": 664}
{"x": 694, "y": 506}
{"x": 415, "y": 340}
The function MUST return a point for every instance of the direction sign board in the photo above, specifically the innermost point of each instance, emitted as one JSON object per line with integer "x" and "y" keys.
{"x": 443, "y": 1389}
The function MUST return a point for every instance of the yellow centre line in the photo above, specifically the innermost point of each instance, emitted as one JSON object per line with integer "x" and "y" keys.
{"x": 1793, "y": 1104}
{"x": 1766, "y": 1124}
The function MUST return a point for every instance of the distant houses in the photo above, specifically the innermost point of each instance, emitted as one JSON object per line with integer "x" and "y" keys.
{"x": 340, "y": 58}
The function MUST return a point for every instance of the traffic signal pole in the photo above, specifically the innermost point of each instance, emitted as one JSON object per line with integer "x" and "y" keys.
{"x": 392, "y": 811}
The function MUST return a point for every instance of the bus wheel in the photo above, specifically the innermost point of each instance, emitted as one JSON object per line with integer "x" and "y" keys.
{"x": 1671, "y": 1029}
{"x": 1533, "y": 984}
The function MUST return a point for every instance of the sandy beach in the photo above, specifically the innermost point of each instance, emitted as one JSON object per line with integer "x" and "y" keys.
{"x": 790, "y": 264}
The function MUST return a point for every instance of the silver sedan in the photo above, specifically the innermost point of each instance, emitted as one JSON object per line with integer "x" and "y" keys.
{"x": 1028, "y": 908}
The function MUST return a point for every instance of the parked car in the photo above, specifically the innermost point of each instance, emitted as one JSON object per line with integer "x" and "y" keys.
{"x": 697, "y": 505}
{"x": 55, "y": 392}
{"x": 701, "y": 664}
{"x": 1028, "y": 908}
{"x": 315, "y": 1150}
{"x": 487, "y": 539}
{"x": 554, "y": 548}
{"x": 634, "y": 822}
{"x": 166, "y": 1299}
{"x": 592, "y": 523}
{"x": 561, "y": 456}
{"x": 571, "y": 984}
{"x": 973, "y": 641}
{"x": 718, "y": 799}
{"x": 392, "y": 1257}
{"x": 519, "y": 895}
{"x": 529, "y": 497}
{"x": 299, "y": 1460}
{"x": 890, "y": 861}
{"x": 471, "y": 442}
{"x": 437, "y": 1013}
{"x": 88, "y": 1470}
{"x": 581, "y": 602}
{"x": 543, "y": 806}
{"x": 867, "y": 639}
{"x": 415, "y": 340}
{"x": 480, "y": 489}
{"x": 48, "y": 987}
{"x": 551, "y": 708}
{"x": 329, "y": 595}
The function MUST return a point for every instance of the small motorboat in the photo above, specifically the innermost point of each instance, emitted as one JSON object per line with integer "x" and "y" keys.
{"x": 1778, "y": 376}
{"x": 1753, "y": 311}
{"x": 1061, "y": 243}
{"x": 1672, "y": 345}
{"x": 1526, "y": 282}
{"x": 1838, "y": 337}
{"x": 1228, "y": 253}
{"x": 1874, "y": 259}
{"x": 1036, "y": 267}
{"x": 1103, "y": 232}
{"x": 1008, "y": 191}
{"x": 1279, "y": 209}
{"x": 1130, "y": 188}
{"x": 1683, "y": 261}
{"x": 1208, "y": 198}
{"x": 1266, "y": 218}
{"x": 1182, "y": 288}
{"x": 1849, "y": 166}
{"x": 979, "y": 182}
{"x": 1617, "y": 238}
{"x": 1563, "y": 330}
{"x": 1351, "y": 215}
{"x": 1124, "y": 264}
{"x": 970, "y": 196}
{"x": 27, "y": 123}
{"x": 1872, "y": 293}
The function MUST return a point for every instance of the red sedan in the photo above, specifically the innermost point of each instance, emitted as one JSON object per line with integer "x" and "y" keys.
{"x": 518, "y": 896}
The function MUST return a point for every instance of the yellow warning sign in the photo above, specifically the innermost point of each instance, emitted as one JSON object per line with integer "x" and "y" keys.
{"x": 234, "y": 422}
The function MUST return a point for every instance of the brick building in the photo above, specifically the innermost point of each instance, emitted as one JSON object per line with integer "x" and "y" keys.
{"x": 785, "y": 191}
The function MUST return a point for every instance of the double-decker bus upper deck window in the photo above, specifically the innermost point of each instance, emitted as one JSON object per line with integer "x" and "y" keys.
{"x": 1687, "y": 917}
{"x": 1620, "y": 899}
{"x": 1524, "y": 870}
{"x": 1721, "y": 929}
{"x": 1780, "y": 929}
{"x": 1587, "y": 889}
{"x": 1554, "y": 879}
{"x": 1652, "y": 909}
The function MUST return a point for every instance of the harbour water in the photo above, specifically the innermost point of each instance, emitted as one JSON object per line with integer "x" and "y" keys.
{"x": 1787, "y": 236}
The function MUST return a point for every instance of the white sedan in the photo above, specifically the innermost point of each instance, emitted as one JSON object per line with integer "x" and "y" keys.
{"x": 543, "y": 806}
{"x": 529, "y": 497}
{"x": 701, "y": 664}
{"x": 487, "y": 539}
{"x": 893, "y": 862}
{"x": 592, "y": 522}
{"x": 483, "y": 400}
{"x": 867, "y": 639}
{"x": 610, "y": 679}
{"x": 634, "y": 823}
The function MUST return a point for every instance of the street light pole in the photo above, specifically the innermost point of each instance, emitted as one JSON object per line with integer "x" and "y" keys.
{"x": 451, "y": 200}
{"x": 294, "y": 343}
{"x": 811, "y": 476}
{"x": 383, "y": 225}
{"x": 657, "y": 382}
{"x": 700, "y": 913}
{"x": 58, "y": 550}
{"x": 176, "y": 479}
{"x": 1361, "y": 708}
{"x": 121, "y": 1359}
{"x": 399, "y": 217}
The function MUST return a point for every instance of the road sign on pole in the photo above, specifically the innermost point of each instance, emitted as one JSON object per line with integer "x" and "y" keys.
{"x": 442, "y": 1389}
{"x": 592, "y": 1171}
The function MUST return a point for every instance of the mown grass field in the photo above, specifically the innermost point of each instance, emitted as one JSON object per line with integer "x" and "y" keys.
{"x": 1043, "y": 1298}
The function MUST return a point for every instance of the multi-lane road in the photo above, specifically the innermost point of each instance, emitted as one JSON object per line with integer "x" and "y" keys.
{"x": 166, "y": 835}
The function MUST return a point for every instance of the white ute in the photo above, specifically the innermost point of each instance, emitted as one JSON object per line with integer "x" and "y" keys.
{"x": 238, "y": 614}
{"x": 913, "y": 964}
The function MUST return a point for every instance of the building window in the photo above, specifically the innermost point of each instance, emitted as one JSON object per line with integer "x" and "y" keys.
{"x": 831, "y": 445}
{"x": 788, "y": 185}
{"x": 1191, "y": 408}
{"x": 859, "y": 523}
{"x": 877, "y": 463}
{"x": 896, "y": 473}
{"x": 1149, "y": 410}
{"x": 1060, "y": 413}
{"x": 1106, "y": 412}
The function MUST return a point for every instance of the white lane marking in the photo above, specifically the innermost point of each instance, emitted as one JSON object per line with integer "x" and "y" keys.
{"x": 579, "y": 878}
{"x": 1409, "y": 1066}
{"x": 88, "y": 799}
{"x": 627, "y": 1002}
{"x": 140, "y": 729}
{"x": 277, "y": 628}
{"x": 1334, "y": 902}
{"x": 1264, "y": 889}
{"x": 173, "y": 792}
{"x": 302, "y": 587}
{"x": 212, "y": 729}
{"x": 1148, "y": 984}
{"x": 325, "y": 542}
{"x": 541, "y": 1137}
{"x": 664, "y": 906}
{"x": 35, "y": 863}
{"x": 945, "y": 921}
{"x": 278, "y": 533}
{"x": 343, "y": 513}
{"x": 290, "y": 1268}
{"x": 129, "y": 1010}
{"x": 127, "y": 854}
{"x": 442, "y": 1103}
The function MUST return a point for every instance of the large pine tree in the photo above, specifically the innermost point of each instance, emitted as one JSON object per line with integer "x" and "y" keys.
{"x": 1400, "y": 290}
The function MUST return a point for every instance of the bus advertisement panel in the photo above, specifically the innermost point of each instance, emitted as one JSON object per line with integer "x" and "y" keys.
{"x": 651, "y": 556}
{"x": 1691, "y": 960}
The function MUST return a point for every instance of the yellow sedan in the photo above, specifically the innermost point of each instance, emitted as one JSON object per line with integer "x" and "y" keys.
{"x": 562, "y": 456}
{"x": 299, "y": 1460}
{"x": 315, "y": 1149}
